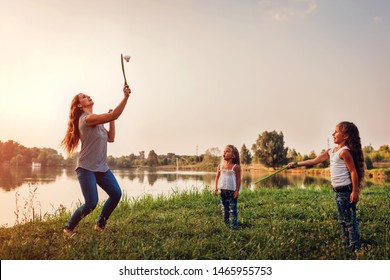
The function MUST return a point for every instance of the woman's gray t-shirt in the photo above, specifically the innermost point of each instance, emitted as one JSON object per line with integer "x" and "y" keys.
{"x": 93, "y": 154}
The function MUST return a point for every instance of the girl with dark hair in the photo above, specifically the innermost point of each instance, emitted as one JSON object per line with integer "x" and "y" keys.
{"x": 88, "y": 128}
{"x": 347, "y": 175}
{"x": 228, "y": 182}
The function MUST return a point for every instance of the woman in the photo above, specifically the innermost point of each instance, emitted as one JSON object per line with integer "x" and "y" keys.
{"x": 92, "y": 169}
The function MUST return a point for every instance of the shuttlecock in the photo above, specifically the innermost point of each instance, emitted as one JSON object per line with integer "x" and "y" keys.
{"x": 127, "y": 58}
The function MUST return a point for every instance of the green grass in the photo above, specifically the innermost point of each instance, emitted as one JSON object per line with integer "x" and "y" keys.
{"x": 274, "y": 224}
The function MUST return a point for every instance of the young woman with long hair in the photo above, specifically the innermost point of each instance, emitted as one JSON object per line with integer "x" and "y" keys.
{"x": 88, "y": 128}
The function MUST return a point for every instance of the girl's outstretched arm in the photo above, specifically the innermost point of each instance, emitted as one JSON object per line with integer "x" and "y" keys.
{"x": 321, "y": 158}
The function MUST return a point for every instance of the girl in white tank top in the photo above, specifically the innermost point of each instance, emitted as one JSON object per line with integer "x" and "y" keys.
{"x": 339, "y": 173}
{"x": 227, "y": 179}
{"x": 228, "y": 182}
{"x": 347, "y": 174}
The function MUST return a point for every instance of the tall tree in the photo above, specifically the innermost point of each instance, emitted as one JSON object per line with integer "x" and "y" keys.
{"x": 269, "y": 149}
{"x": 152, "y": 159}
{"x": 245, "y": 155}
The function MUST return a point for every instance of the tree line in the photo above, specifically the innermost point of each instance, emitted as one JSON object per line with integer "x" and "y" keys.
{"x": 268, "y": 150}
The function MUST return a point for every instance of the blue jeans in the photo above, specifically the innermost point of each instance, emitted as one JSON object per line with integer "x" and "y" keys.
{"x": 229, "y": 206}
{"x": 347, "y": 219}
{"x": 88, "y": 181}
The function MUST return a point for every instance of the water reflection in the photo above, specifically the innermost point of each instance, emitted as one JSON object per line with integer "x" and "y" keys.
{"x": 12, "y": 178}
{"x": 70, "y": 173}
{"x": 153, "y": 175}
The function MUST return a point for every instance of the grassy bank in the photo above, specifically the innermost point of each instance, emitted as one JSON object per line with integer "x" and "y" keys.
{"x": 273, "y": 224}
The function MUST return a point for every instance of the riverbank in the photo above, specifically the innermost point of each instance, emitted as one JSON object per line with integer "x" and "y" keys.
{"x": 273, "y": 224}
{"x": 382, "y": 173}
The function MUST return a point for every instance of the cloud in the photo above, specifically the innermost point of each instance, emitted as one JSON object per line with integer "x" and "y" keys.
{"x": 285, "y": 10}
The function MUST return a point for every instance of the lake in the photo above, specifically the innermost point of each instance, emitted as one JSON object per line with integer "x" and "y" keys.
{"x": 47, "y": 189}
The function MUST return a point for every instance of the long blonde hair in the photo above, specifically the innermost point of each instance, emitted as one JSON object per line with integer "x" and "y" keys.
{"x": 72, "y": 136}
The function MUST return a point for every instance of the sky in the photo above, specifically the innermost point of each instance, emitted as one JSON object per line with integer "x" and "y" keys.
{"x": 203, "y": 74}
